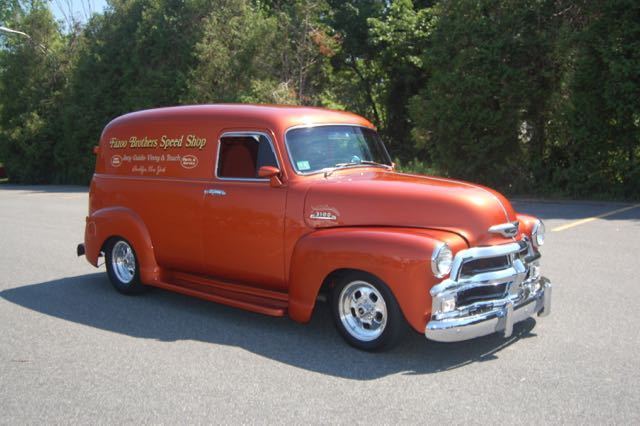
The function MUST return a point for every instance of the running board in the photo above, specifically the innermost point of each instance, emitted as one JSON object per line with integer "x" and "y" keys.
{"x": 236, "y": 295}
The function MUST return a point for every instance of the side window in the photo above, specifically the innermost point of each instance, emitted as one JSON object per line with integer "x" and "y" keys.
{"x": 241, "y": 156}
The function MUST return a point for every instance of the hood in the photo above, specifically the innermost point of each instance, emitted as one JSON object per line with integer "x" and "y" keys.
{"x": 368, "y": 197}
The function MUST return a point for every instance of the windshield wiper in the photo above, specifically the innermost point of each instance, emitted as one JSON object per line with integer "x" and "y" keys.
{"x": 354, "y": 164}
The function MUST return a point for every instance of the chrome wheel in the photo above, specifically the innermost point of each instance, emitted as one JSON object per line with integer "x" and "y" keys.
{"x": 362, "y": 311}
{"x": 123, "y": 262}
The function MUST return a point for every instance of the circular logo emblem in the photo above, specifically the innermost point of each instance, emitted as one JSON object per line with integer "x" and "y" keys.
{"x": 189, "y": 161}
{"x": 116, "y": 161}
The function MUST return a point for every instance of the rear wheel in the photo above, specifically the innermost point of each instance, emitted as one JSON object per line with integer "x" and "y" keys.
{"x": 122, "y": 266}
{"x": 366, "y": 312}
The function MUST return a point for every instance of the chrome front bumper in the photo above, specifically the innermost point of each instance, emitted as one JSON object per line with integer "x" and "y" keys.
{"x": 526, "y": 294}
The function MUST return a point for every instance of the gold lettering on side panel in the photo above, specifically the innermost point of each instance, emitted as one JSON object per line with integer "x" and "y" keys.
{"x": 167, "y": 151}
{"x": 165, "y": 142}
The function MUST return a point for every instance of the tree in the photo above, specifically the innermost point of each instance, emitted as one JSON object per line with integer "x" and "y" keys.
{"x": 355, "y": 75}
{"x": 136, "y": 55}
{"x": 527, "y": 95}
{"x": 9, "y": 9}
{"x": 265, "y": 53}
{"x": 401, "y": 36}
{"x": 482, "y": 111}
{"x": 596, "y": 139}
{"x": 31, "y": 82}
{"x": 236, "y": 59}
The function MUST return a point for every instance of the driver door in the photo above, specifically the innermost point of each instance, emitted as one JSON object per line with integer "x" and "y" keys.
{"x": 244, "y": 214}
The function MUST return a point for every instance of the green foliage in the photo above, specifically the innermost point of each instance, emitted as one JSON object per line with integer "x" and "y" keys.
{"x": 529, "y": 96}
{"x": 137, "y": 55}
{"x": 484, "y": 103}
{"x": 415, "y": 166}
{"x": 270, "y": 54}
{"x": 596, "y": 140}
{"x": 9, "y": 10}
{"x": 399, "y": 37}
{"x": 235, "y": 58}
{"x": 31, "y": 82}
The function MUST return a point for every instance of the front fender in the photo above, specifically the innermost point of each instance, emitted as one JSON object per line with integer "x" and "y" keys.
{"x": 120, "y": 221}
{"x": 526, "y": 223}
{"x": 401, "y": 257}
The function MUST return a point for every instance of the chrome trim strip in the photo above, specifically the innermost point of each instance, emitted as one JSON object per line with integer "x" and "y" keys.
{"x": 471, "y": 185}
{"x": 218, "y": 192}
{"x": 154, "y": 178}
{"x": 480, "y": 253}
{"x": 244, "y": 134}
{"x": 509, "y": 229}
{"x": 504, "y": 209}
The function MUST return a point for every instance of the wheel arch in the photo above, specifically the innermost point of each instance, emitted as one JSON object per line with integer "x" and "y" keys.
{"x": 399, "y": 257}
{"x": 332, "y": 277}
{"x": 119, "y": 222}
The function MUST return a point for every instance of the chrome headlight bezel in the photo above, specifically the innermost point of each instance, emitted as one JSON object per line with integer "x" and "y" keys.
{"x": 441, "y": 260}
{"x": 538, "y": 233}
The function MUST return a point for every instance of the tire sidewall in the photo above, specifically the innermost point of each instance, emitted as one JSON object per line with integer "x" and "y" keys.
{"x": 395, "y": 318}
{"x": 132, "y": 287}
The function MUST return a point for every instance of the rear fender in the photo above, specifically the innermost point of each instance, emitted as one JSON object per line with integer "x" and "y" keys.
{"x": 400, "y": 257}
{"x": 119, "y": 221}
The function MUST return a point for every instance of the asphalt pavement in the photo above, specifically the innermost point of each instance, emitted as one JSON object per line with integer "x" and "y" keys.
{"x": 72, "y": 350}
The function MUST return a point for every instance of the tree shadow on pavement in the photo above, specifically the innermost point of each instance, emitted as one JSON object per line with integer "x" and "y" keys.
{"x": 90, "y": 300}
{"x": 576, "y": 210}
{"x": 45, "y": 189}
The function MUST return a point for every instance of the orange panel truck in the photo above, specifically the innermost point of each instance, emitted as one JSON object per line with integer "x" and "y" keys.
{"x": 266, "y": 208}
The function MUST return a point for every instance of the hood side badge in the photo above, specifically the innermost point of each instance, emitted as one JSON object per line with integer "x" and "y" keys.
{"x": 324, "y": 213}
{"x": 508, "y": 230}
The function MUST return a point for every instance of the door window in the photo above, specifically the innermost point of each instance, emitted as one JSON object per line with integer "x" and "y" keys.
{"x": 241, "y": 155}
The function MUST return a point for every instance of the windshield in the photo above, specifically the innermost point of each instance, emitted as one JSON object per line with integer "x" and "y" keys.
{"x": 326, "y": 147}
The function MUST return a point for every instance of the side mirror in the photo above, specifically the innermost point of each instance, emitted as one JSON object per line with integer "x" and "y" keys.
{"x": 273, "y": 173}
{"x": 268, "y": 171}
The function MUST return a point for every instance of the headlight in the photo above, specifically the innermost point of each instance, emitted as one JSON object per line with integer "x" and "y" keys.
{"x": 537, "y": 235}
{"x": 441, "y": 260}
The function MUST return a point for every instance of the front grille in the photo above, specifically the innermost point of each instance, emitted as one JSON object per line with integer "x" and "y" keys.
{"x": 477, "y": 266}
{"x": 486, "y": 278}
{"x": 478, "y": 294}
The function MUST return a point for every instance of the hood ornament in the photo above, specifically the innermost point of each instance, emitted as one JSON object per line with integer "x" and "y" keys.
{"x": 509, "y": 229}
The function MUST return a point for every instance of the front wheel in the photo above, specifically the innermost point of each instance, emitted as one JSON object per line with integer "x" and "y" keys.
{"x": 366, "y": 312}
{"x": 122, "y": 267}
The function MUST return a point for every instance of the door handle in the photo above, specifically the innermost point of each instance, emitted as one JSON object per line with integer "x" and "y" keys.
{"x": 218, "y": 192}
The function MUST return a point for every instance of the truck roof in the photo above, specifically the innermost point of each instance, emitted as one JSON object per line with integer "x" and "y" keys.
{"x": 277, "y": 116}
